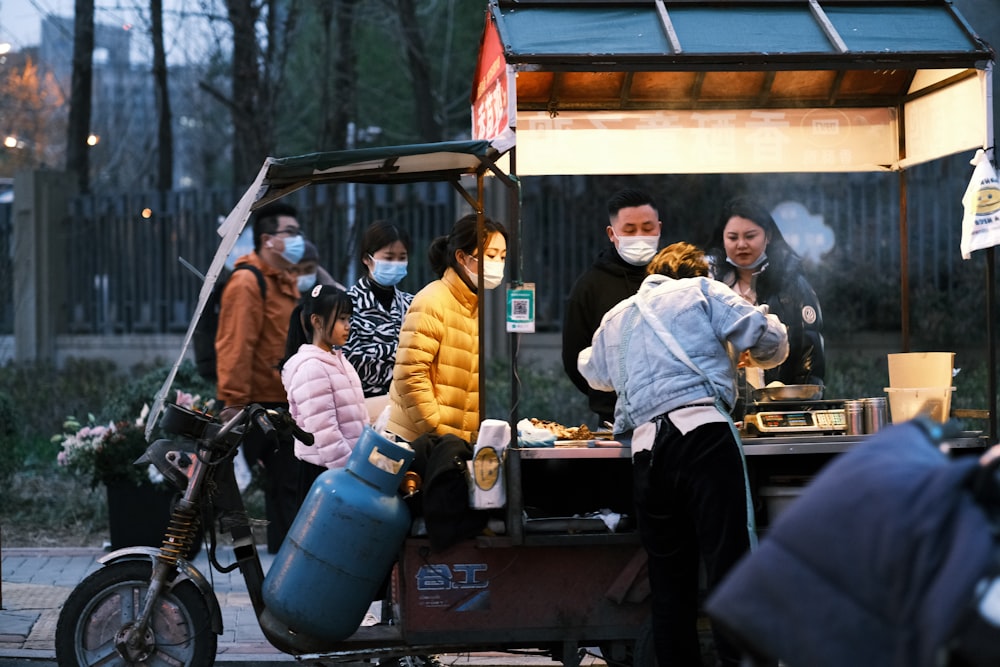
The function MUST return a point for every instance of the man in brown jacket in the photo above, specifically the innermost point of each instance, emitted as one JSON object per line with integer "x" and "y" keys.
{"x": 249, "y": 346}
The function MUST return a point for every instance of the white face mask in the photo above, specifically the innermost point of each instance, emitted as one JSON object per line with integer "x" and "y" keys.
{"x": 637, "y": 250}
{"x": 492, "y": 274}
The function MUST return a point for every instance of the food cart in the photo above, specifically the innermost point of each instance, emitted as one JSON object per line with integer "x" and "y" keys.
{"x": 566, "y": 587}
{"x": 743, "y": 87}
{"x": 747, "y": 86}
{"x": 657, "y": 86}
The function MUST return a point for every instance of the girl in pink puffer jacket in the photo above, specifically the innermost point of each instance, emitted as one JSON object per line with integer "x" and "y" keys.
{"x": 324, "y": 391}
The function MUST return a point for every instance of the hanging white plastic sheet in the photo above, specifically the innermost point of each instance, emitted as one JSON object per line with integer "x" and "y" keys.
{"x": 981, "y": 222}
{"x": 487, "y": 488}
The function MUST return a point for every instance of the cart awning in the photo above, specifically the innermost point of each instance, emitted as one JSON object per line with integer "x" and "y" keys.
{"x": 679, "y": 86}
{"x": 443, "y": 162}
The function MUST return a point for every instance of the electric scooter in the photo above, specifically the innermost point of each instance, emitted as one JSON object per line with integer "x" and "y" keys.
{"x": 152, "y": 607}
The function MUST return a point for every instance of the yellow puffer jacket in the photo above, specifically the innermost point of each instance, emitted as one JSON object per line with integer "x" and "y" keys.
{"x": 435, "y": 382}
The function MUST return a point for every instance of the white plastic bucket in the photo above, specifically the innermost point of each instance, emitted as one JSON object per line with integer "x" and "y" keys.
{"x": 921, "y": 369}
{"x": 908, "y": 402}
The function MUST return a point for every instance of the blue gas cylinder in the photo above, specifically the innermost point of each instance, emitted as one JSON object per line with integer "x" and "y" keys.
{"x": 342, "y": 544}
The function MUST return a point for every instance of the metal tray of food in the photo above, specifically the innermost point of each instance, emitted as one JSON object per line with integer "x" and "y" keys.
{"x": 789, "y": 392}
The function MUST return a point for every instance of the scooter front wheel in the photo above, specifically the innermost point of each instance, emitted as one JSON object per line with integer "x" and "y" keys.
{"x": 105, "y": 605}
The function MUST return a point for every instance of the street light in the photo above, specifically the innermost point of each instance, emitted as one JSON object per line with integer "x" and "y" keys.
{"x": 10, "y": 141}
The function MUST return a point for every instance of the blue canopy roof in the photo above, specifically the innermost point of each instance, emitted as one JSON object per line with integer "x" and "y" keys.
{"x": 648, "y": 54}
{"x": 761, "y": 28}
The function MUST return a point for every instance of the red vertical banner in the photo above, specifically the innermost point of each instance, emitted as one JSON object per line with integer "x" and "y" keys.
{"x": 491, "y": 116}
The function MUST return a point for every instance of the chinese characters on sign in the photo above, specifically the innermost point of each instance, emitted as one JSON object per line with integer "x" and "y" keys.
{"x": 490, "y": 106}
{"x": 692, "y": 141}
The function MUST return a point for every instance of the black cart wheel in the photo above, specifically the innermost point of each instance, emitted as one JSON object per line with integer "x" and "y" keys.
{"x": 107, "y": 602}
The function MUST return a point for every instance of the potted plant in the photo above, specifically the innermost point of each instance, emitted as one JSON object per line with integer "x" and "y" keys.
{"x": 105, "y": 453}
{"x": 139, "y": 501}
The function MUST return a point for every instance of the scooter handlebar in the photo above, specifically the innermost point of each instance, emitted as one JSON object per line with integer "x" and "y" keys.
{"x": 259, "y": 416}
{"x": 268, "y": 420}
{"x": 283, "y": 420}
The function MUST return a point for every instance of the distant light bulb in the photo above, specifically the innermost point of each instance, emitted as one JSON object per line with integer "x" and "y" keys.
{"x": 10, "y": 142}
{"x": 93, "y": 140}
{"x": 147, "y": 213}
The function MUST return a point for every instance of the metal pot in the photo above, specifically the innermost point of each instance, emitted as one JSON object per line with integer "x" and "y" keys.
{"x": 789, "y": 392}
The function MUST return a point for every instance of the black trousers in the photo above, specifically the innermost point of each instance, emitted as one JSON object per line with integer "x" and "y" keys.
{"x": 308, "y": 472}
{"x": 282, "y": 480}
{"x": 691, "y": 504}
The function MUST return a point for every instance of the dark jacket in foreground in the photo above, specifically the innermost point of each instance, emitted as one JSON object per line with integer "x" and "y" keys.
{"x": 871, "y": 567}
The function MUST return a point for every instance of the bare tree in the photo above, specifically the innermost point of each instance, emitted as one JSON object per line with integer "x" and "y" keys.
{"x": 424, "y": 100}
{"x": 80, "y": 93}
{"x": 293, "y": 87}
{"x": 257, "y": 78}
{"x": 344, "y": 108}
{"x": 248, "y": 140}
{"x": 429, "y": 72}
{"x": 164, "y": 134}
{"x": 320, "y": 94}
{"x": 325, "y": 13}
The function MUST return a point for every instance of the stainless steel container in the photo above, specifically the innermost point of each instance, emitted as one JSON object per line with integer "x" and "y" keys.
{"x": 855, "y": 412}
{"x": 876, "y": 414}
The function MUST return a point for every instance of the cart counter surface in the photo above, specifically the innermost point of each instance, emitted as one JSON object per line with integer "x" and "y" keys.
{"x": 752, "y": 446}
{"x": 834, "y": 444}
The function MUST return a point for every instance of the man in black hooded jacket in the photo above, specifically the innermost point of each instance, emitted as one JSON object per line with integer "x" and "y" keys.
{"x": 634, "y": 231}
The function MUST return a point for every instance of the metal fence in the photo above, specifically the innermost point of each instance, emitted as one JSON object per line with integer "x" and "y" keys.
{"x": 125, "y": 270}
{"x": 123, "y": 273}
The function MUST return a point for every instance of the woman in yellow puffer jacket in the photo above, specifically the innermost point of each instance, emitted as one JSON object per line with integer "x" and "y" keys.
{"x": 435, "y": 382}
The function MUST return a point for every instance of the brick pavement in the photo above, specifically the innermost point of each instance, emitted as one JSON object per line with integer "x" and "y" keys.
{"x": 34, "y": 583}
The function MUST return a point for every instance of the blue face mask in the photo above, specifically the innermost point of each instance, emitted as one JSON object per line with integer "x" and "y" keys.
{"x": 295, "y": 247}
{"x": 306, "y": 281}
{"x": 388, "y": 273}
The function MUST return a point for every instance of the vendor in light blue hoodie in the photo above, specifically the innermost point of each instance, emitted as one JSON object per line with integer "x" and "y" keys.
{"x": 670, "y": 352}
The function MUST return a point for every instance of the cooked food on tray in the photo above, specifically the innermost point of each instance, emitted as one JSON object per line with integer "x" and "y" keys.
{"x": 581, "y": 432}
{"x": 535, "y": 432}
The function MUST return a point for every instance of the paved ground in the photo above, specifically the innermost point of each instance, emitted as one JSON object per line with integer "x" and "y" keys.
{"x": 34, "y": 583}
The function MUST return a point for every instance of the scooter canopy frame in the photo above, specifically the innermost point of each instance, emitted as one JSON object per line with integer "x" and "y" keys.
{"x": 451, "y": 162}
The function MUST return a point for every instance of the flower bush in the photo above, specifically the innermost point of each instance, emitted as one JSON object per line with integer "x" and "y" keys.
{"x": 79, "y": 442}
{"x": 106, "y": 453}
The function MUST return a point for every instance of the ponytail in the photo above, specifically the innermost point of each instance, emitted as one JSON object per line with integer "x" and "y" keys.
{"x": 299, "y": 333}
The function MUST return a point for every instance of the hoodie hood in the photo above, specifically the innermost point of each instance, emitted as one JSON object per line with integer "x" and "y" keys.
{"x": 609, "y": 261}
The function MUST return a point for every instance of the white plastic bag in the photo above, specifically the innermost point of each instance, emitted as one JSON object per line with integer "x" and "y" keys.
{"x": 981, "y": 222}
{"x": 487, "y": 488}
{"x": 242, "y": 470}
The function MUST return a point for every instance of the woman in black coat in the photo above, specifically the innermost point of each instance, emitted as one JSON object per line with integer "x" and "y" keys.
{"x": 748, "y": 253}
